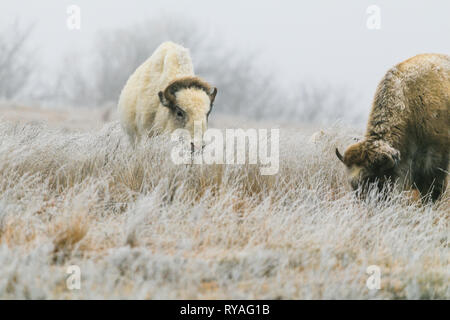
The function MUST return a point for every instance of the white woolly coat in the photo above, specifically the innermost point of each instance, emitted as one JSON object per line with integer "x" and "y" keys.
{"x": 139, "y": 106}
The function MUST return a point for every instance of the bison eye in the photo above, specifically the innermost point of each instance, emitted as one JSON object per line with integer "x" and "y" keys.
{"x": 179, "y": 113}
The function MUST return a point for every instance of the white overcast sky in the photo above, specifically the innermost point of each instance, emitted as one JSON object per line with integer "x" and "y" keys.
{"x": 324, "y": 40}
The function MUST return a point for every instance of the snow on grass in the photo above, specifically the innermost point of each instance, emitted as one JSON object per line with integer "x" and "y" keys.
{"x": 139, "y": 226}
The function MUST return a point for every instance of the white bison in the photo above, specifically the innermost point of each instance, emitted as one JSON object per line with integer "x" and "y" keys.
{"x": 163, "y": 94}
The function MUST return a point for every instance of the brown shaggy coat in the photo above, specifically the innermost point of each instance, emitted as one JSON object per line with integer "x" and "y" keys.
{"x": 407, "y": 138}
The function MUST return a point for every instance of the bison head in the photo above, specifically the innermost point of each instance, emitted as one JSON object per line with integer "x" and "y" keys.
{"x": 370, "y": 162}
{"x": 189, "y": 101}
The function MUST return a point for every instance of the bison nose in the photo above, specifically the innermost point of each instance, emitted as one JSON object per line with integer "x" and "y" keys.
{"x": 354, "y": 184}
{"x": 197, "y": 147}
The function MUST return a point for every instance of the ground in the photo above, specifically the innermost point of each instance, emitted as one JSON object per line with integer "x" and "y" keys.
{"x": 73, "y": 192}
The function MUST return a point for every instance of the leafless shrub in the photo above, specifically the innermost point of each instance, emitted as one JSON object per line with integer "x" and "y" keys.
{"x": 17, "y": 64}
{"x": 324, "y": 104}
{"x": 245, "y": 89}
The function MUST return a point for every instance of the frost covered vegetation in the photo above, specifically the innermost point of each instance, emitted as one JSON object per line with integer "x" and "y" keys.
{"x": 139, "y": 226}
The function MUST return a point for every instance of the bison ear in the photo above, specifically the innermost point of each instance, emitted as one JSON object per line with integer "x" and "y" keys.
{"x": 163, "y": 99}
{"x": 212, "y": 95}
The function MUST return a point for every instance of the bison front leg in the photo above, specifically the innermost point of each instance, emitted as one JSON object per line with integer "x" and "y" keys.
{"x": 439, "y": 185}
{"x": 433, "y": 184}
{"x": 440, "y": 178}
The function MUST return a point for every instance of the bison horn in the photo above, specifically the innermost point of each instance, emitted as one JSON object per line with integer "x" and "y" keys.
{"x": 163, "y": 99}
{"x": 212, "y": 94}
{"x": 339, "y": 155}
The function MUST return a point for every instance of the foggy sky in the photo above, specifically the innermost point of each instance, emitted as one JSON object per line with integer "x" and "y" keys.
{"x": 323, "y": 40}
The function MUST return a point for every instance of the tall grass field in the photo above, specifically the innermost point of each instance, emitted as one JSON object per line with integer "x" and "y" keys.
{"x": 139, "y": 226}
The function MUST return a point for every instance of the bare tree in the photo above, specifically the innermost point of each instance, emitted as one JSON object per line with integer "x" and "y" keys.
{"x": 245, "y": 89}
{"x": 17, "y": 64}
{"x": 117, "y": 53}
{"x": 312, "y": 102}
{"x": 73, "y": 84}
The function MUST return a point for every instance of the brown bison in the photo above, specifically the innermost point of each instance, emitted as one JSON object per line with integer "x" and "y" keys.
{"x": 407, "y": 137}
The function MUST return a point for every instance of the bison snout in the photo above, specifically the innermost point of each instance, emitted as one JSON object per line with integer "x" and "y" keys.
{"x": 197, "y": 147}
{"x": 354, "y": 184}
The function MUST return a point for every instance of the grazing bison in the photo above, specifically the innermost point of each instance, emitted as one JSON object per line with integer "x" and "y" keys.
{"x": 407, "y": 137}
{"x": 163, "y": 94}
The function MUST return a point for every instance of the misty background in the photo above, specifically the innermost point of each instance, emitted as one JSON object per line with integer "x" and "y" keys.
{"x": 281, "y": 60}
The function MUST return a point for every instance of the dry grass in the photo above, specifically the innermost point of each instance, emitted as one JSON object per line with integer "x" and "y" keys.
{"x": 141, "y": 227}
